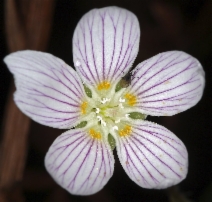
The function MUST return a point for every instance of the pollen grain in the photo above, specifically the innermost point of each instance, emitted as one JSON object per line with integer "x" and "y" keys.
{"x": 125, "y": 131}
{"x": 105, "y": 85}
{"x": 83, "y": 107}
{"x": 94, "y": 134}
{"x": 131, "y": 99}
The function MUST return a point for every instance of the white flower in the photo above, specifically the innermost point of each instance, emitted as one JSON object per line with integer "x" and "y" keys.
{"x": 104, "y": 114}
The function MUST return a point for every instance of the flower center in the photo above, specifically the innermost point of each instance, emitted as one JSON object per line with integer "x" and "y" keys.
{"x": 110, "y": 112}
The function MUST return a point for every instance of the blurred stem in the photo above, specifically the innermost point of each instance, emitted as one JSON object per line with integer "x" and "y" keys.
{"x": 28, "y": 24}
{"x": 175, "y": 195}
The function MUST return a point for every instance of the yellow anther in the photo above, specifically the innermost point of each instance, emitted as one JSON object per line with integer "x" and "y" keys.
{"x": 103, "y": 86}
{"x": 94, "y": 134}
{"x": 131, "y": 99}
{"x": 83, "y": 107}
{"x": 125, "y": 131}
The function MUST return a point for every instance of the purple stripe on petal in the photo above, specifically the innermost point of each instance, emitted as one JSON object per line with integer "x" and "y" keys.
{"x": 152, "y": 156}
{"x": 168, "y": 83}
{"x": 169, "y": 167}
{"x": 134, "y": 151}
{"x": 103, "y": 42}
{"x": 137, "y": 145}
{"x": 48, "y": 90}
{"x": 130, "y": 165}
{"x": 79, "y": 163}
{"x": 72, "y": 183}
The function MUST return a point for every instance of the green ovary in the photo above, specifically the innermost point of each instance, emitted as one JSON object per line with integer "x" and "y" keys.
{"x": 113, "y": 109}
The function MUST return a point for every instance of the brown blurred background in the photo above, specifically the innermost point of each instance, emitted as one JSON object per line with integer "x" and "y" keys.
{"x": 165, "y": 25}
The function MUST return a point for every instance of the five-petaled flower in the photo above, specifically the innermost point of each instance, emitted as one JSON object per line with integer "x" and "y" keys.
{"x": 100, "y": 112}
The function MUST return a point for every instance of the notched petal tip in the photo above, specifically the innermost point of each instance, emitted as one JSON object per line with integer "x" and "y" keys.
{"x": 105, "y": 44}
{"x": 168, "y": 83}
{"x": 48, "y": 90}
{"x": 80, "y": 162}
{"x": 152, "y": 156}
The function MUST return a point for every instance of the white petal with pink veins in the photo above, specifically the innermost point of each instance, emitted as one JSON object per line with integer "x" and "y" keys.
{"x": 48, "y": 90}
{"x": 105, "y": 44}
{"x": 79, "y": 163}
{"x": 168, "y": 83}
{"x": 152, "y": 156}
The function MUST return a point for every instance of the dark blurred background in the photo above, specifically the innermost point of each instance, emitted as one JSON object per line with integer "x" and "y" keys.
{"x": 165, "y": 25}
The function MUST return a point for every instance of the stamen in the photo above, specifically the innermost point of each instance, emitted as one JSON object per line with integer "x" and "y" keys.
{"x": 94, "y": 134}
{"x": 103, "y": 86}
{"x": 121, "y": 106}
{"x": 127, "y": 116}
{"x": 101, "y": 120}
{"x": 115, "y": 128}
{"x": 131, "y": 99}
{"x": 104, "y": 100}
{"x": 83, "y": 107}
{"x": 97, "y": 110}
{"x": 126, "y": 131}
{"x": 121, "y": 100}
{"x": 117, "y": 121}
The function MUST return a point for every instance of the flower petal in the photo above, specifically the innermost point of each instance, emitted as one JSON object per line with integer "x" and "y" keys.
{"x": 152, "y": 156}
{"x": 79, "y": 163}
{"x": 168, "y": 83}
{"x": 105, "y": 44}
{"x": 48, "y": 90}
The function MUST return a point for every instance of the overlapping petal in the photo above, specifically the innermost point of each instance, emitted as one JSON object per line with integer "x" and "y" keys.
{"x": 79, "y": 163}
{"x": 48, "y": 90}
{"x": 152, "y": 156}
{"x": 105, "y": 44}
{"x": 168, "y": 83}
